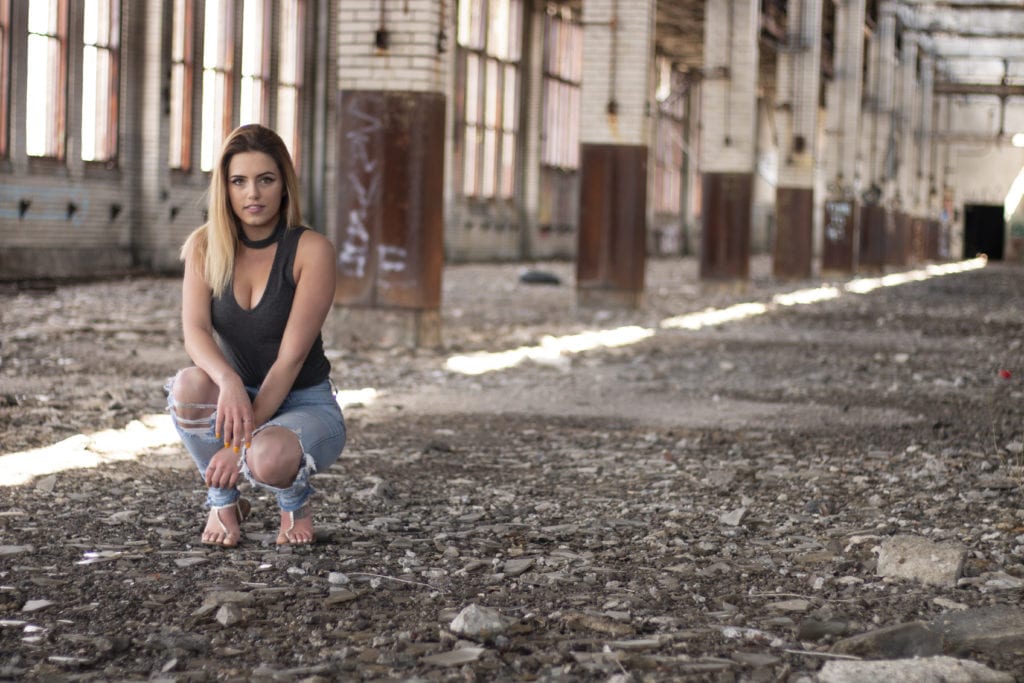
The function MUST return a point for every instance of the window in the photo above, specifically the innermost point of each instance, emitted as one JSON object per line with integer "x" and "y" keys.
{"x": 255, "y": 62}
{"x": 289, "y": 77}
{"x": 489, "y": 50}
{"x": 47, "y": 78}
{"x": 5, "y": 79}
{"x": 217, "y": 80}
{"x": 100, "y": 82}
{"x": 563, "y": 73}
{"x": 668, "y": 143}
{"x": 181, "y": 86}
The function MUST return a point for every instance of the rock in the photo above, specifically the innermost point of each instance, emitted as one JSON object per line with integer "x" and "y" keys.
{"x": 229, "y": 615}
{"x": 463, "y": 655}
{"x": 517, "y": 566}
{"x": 35, "y": 605}
{"x": 991, "y": 630}
{"x": 814, "y": 630}
{"x": 480, "y": 623}
{"x": 918, "y": 559}
{"x": 15, "y": 549}
{"x": 918, "y": 670}
{"x": 734, "y": 517}
{"x": 601, "y": 624}
{"x": 913, "y": 639}
{"x": 796, "y": 605}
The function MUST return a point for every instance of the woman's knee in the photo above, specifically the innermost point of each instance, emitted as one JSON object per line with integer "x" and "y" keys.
{"x": 274, "y": 456}
{"x": 193, "y": 385}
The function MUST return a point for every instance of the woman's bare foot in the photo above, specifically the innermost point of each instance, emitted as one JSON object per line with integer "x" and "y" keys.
{"x": 296, "y": 527}
{"x": 223, "y": 526}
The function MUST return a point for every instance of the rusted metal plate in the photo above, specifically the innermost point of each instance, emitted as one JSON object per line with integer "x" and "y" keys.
{"x": 725, "y": 246}
{"x": 873, "y": 233}
{"x": 918, "y": 240}
{"x": 794, "y": 220}
{"x": 389, "y": 235}
{"x": 933, "y": 248}
{"x": 613, "y": 218}
{"x": 838, "y": 253}
{"x": 897, "y": 242}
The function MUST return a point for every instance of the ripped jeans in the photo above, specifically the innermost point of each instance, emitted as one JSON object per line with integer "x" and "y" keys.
{"x": 311, "y": 413}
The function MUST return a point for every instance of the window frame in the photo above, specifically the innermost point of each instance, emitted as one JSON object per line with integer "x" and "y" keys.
{"x": 669, "y": 145}
{"x": 110, "y": 113}
{"x": 291, "y": 89}
{"x": 219, "y": 72}
{"x": 5, "y": 78}
{"x": 181, "y": 92}
{"x": 255, "y": 55}
{"x": 56, "y": 87}
{"x": 561, "y": 89}
{"x": 487, "y": 151}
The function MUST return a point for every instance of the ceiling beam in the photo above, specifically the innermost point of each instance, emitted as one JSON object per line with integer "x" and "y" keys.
{"x": 995, "y": 89}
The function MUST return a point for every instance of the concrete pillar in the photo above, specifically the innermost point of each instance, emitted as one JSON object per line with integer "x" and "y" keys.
{"x": 390, "y": 160}
{"x": 876, "y": 222}
{"x": 927, "y": 195}
{"x": 924, "y": 201}
{"x": 940, "y": 167}
{"x": 798, "y": 84}
{"x": 900, "y": 251}
{"x": 728, "y": 137}
{"x": 843, "y": 132}
{"x": 618, "y": 55}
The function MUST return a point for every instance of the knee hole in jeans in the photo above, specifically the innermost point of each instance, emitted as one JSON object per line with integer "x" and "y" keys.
{"x": 275, "y": 456}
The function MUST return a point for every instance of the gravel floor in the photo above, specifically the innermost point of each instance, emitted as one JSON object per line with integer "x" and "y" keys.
{"x": 691, "y": 506}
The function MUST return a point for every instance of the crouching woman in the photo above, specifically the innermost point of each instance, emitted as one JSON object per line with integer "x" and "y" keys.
{"x": 258, "y": 285}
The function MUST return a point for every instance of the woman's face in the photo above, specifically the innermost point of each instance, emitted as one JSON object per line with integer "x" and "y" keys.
{"x": 255, "y": 187}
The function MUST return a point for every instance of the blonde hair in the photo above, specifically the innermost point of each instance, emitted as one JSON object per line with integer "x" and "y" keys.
{"x": 210, "y": 249}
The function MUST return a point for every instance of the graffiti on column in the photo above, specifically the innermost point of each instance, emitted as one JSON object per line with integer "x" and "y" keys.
{"x": 392, "y": 259}
{"x": 364, "y": 177}
{"x": 838, "y": 216}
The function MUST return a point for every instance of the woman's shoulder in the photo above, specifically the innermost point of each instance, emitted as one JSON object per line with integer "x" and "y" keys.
{"x": 310, "y": 239}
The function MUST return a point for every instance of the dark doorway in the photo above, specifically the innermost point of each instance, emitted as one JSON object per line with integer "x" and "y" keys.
{"x": 984, "y": 231}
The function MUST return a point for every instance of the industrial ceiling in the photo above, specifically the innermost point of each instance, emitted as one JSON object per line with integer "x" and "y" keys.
{"x": 974, "y": 42}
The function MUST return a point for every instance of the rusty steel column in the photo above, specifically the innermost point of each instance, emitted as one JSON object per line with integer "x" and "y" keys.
{"x": 389, "y": 233}
{"x": 616, "y": 100}
{"x": 794, "y": 213}
{"x": 874, "y": 232}
{"x": 896, "y": 239}
{"x": 918, "y": 236}
{"x": 613, "y": 217}
{"x": 728, "y": 139}
{"x": 839, "y": 247}
{"x": 725, "y": 248}
{"x": 797, "y": 110}
{"x": 933, "y": 251}
{"x": 843, "y": 131}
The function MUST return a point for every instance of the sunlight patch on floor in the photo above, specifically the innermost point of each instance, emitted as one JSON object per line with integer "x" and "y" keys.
{"x": 554, "y": 350}
{"x": 114, "y": 445}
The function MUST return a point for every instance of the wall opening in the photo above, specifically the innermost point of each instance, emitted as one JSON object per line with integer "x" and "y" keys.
{"x": 984, "y": 231}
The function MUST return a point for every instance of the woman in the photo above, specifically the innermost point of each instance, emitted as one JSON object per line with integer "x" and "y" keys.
{"x": 257, "y": 288}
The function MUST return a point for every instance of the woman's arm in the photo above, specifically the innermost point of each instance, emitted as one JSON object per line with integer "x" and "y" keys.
{"x": 314, "y": 294}
{"x": 234, "y": 409}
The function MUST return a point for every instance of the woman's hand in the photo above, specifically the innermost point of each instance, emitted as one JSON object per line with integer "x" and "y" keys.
{"x": 223, "y": 470}
{"x": 234, "y": 416}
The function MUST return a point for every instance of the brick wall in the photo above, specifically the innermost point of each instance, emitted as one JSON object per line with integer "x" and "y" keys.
{"x": 729, "y": 107}
{"x": 408, "y": 58}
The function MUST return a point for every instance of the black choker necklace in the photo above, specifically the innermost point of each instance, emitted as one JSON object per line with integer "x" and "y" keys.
{"x": 263, "y": 243}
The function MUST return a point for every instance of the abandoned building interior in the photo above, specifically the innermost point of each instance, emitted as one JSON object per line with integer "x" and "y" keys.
{"x": 833, "y": 135}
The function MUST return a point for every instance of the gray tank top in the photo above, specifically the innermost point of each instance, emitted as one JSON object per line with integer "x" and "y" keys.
{"x": 250, "y": 339}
